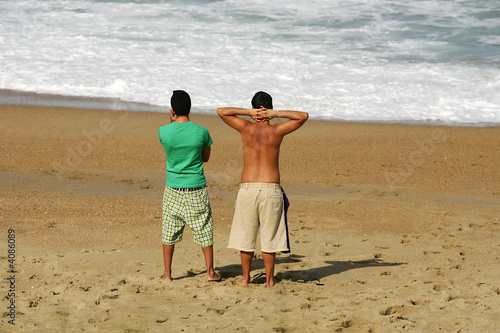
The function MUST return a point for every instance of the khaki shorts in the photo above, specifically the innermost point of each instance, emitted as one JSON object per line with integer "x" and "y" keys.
{"x": 259, "y": 209}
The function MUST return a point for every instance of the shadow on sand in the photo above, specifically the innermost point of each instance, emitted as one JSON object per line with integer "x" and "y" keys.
{"x": 305, "y": 275}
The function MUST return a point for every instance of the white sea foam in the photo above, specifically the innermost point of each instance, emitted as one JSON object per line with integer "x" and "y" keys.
{"x": 375, "y": 60}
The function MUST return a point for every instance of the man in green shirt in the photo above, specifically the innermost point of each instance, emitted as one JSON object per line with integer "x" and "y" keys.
{"x": 185, "y": 200}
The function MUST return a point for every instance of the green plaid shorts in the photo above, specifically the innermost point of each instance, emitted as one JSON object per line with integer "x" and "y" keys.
{"x": 191, "y": 208}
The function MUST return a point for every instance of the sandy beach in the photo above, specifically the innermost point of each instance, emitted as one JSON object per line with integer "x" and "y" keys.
{"x": 394, "y": 228}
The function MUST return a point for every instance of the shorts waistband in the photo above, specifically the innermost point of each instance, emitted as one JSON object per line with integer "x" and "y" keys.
{"x": 260, "y": 185}
{"x": 189, "y": 189}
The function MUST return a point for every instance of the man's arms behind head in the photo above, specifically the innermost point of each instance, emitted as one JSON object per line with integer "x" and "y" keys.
{"x": 295, "y": 120}
{"x": 230, "y": 116}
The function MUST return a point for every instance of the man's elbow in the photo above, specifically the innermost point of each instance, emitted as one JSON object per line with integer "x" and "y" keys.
{"x": 305, "y": 116}
{"x": 220, "y": 112}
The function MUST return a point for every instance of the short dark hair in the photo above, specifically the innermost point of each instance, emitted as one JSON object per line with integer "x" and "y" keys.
{"x": 180, "y": 102}
{"x": 262, "y": 99}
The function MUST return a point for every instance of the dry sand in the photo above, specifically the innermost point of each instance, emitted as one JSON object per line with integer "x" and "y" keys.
{"x": 394, "y": 228}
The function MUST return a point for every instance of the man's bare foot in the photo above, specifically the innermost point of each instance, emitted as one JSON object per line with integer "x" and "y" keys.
{"x": 215, "y": 278}
{"x": 242, "y": 282}
{"x": 167, "y": 278}
{"x": 270, "y": 284}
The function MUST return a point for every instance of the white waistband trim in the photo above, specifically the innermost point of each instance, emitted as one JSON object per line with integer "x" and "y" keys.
{"x": 260, "y": 185}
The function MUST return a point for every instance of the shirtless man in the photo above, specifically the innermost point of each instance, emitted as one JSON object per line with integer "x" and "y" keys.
{"x": 260, "y": 201}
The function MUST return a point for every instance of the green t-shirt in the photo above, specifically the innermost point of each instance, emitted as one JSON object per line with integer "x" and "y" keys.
{"x": 183, "y": 144}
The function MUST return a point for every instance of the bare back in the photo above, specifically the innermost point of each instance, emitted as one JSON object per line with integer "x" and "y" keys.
{"x": 261, "y": 146}
{"x": 261, "y": 140}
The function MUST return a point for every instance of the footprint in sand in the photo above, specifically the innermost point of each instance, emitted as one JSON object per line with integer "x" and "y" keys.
{"x": 161, "y": 321}
{"x": 217, "y": 311}
{"x": 392, "y": 310}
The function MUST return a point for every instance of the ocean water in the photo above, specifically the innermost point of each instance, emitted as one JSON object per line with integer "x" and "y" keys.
{"x": 435, "y": 61}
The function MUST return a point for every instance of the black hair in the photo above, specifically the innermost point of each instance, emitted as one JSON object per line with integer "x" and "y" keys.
{"x": 262, "y": 99}
{"x": 180, "y": 102}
